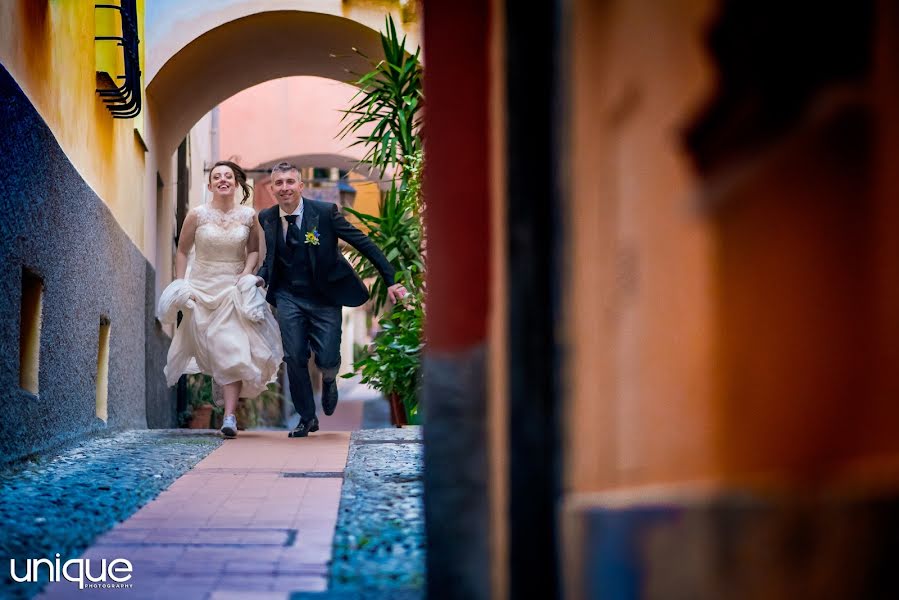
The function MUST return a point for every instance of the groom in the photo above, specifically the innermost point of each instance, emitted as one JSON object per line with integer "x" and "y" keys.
{"x": 309, "y": 280}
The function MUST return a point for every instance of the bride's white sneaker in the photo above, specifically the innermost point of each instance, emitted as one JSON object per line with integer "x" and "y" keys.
{"x": 229, "y": 426}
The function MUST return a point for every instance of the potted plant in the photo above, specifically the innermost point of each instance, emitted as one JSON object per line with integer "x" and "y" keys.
{"x": 200, "y": 400}
{"x": 392, "y": 363}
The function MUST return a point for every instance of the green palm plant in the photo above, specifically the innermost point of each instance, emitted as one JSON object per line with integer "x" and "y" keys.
{"x": 390, "y": 98}
{"x": 388, "y": 106}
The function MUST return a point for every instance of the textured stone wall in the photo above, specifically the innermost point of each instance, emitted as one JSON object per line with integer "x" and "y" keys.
{"x": 55, "y": 225}
{"x": 161, "y": 400}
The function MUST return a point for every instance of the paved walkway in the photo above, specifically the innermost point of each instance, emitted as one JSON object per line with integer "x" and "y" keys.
{"x": 253, "y": 520}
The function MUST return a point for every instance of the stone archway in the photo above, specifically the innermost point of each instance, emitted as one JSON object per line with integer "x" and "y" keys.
{"x": 247, "y": 51}
{"x": 221, "y": 62}
{"x": 328, "y": 161}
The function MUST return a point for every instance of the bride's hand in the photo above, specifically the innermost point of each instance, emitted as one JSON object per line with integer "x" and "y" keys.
{"x": 243, "y": 281}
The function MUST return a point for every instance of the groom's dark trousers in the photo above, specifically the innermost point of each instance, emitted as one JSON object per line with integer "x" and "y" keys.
{"x": 308, "y": 325}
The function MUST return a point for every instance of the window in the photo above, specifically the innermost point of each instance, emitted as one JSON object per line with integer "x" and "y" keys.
{"x": 30, "y": 330}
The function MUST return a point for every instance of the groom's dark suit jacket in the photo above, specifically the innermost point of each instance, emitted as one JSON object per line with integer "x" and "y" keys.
{"x": 332, "y": 276}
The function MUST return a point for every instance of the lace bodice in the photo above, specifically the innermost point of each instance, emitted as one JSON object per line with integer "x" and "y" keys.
{"x": 222, "y": 237}
{"x": 226, "y": 329}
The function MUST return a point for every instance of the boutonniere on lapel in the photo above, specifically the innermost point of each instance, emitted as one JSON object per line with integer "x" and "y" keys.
{"x": 312, "y": 235}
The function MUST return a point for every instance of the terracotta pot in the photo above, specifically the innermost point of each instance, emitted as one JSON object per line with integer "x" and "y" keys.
{"x": 397, "y": 410}
{"x": 201, "y": 417}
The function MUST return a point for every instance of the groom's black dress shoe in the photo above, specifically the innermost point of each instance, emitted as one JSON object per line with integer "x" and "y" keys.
{"x": 304, "y": 428}
{"x": 329, "y": 396}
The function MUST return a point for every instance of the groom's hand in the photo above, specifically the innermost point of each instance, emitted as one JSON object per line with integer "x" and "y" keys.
{"x": 260, "y": 282}
{"x": 396, "y": 292}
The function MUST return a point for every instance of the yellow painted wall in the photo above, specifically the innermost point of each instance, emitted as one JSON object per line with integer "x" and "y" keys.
{"x": 372, "y": 13}
{"x": 49, "y": 49}
{"x": 368, "y": 199}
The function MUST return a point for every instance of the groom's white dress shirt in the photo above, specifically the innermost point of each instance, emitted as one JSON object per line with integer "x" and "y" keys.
{"x": 298, "y": 211}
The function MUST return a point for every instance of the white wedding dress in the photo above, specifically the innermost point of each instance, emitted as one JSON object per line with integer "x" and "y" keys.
{"x": 227, "y": 330}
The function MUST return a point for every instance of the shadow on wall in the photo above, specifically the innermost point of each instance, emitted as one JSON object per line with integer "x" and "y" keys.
{"x": 56, "y": 229}
{"x": 36, "y": 36}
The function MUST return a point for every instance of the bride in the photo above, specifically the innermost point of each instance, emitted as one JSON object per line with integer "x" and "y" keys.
{"x": 227, "y": 330}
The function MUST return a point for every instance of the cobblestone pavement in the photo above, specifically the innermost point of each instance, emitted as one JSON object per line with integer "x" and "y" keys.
{"x": 379, "y": 544}
{"x": 60, "y": 503}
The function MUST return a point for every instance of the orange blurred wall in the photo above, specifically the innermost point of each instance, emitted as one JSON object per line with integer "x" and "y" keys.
{"x": 638, "y": 310}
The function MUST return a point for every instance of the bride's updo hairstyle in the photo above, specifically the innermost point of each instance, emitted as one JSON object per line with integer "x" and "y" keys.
{"x": 239, "y": 175}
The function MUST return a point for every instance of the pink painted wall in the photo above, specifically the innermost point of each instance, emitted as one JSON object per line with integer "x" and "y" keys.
{"x": 285, "y": 118}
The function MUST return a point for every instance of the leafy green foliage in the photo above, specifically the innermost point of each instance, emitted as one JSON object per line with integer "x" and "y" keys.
{"x": 389, "y": 99}
{"x": 392, "y": 363}
{"x": 388, "y": 107}
{"x": 397, "y": 232}
{"x": 199, "y": 390}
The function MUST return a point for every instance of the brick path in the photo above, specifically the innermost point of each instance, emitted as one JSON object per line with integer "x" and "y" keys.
{"x": 250, "y": 521}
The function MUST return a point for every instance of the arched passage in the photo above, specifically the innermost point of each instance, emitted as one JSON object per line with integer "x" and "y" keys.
{"x": 247, "y": 51}
{"x": 324, "y": 161}
{"x": 220, "y": 63}
{"x": 328, "y": 161}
